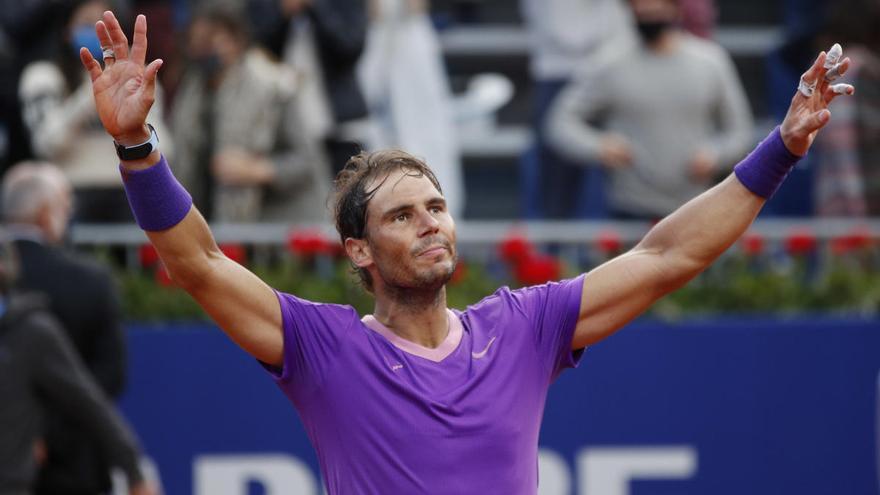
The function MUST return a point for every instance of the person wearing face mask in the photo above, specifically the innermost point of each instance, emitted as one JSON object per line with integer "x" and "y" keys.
{"x": 58, "y": 113}
{"x": 244, "y": 149}
{"x": 664, "y": 142}
{"x": 37, "y": 205}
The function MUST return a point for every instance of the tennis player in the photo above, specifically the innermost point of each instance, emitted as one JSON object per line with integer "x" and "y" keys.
{"x": 417, "y": 397}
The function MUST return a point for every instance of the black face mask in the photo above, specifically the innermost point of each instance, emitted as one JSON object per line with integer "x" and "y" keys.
{"x": 650, "y": 31}
{"x": 208, "y": 65}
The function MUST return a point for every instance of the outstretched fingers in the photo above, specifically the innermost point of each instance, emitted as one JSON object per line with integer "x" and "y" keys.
{"x": 90, "y": 63}
{"x": 106, "y": 42}
{"x": 810, "y": 79}
{"x": 817, "y": 70}
{"x": 150, "y": 78}
{"x": 117, "y": 37}
{"x": 139, "y": 45}
{"x": 817, "y": 121}
{"x": 835, "y": 90}
{"x": 837, "y": 71}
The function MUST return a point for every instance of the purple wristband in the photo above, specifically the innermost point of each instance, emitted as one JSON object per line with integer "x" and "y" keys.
{"x": 763, "y": 171}
{"x": 157, "y": 200}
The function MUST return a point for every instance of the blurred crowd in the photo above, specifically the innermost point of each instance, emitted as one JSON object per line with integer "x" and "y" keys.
{"x": 635, "y": 108}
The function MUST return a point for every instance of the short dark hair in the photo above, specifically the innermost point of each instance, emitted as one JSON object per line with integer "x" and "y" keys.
{"x": 352, "y": 196}
{"x": 228, "y": 19}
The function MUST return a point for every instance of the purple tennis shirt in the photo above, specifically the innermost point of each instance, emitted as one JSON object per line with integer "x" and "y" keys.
{"x": 387, "y": 416}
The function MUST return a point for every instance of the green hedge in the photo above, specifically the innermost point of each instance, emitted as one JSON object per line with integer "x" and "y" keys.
{"x": 736, "y": 284}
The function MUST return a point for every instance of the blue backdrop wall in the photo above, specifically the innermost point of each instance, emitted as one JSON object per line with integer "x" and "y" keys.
{"x": 703, "y": 407}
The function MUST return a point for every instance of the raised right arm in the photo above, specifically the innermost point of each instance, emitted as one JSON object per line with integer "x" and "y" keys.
{"x": 242, "y": 305}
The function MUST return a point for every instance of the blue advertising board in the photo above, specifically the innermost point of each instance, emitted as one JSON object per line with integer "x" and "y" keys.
{"x": 720, "y": 406}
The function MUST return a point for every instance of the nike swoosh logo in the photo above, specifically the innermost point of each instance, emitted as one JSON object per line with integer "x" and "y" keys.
{"x": 481, "y": 354}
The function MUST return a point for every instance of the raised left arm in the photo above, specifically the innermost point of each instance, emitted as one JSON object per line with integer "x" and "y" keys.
{"x": 686, "y": 242}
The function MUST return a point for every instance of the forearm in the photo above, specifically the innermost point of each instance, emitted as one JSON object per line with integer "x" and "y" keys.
{"x": 567, "y": 127}
{"x": 187, "y": 247}
{"x": 188, "y": 250}
{"x": 698, "y": 232}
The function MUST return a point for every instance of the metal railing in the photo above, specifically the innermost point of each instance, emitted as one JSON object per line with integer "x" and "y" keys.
{"x": 481, "y": 233}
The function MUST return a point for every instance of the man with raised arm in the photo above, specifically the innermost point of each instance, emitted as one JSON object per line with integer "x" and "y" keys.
{"x": 419, "y": 398}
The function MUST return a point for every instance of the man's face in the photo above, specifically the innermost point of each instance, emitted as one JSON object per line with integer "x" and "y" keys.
{"x": 410, "y": 234}
{"x": 654, "y": 10}
{"x": 59, "y": 211}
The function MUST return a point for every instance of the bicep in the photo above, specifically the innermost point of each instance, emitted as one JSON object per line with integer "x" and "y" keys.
{"x": 244, "y": 307}
{"x": 618, "y": 291}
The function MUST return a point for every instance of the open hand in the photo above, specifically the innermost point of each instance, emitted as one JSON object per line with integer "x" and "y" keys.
{"x": 125, "y": 88}
{"x": 808, "y": 114}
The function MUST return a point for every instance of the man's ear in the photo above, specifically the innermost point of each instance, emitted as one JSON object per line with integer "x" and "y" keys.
{"x": 358, "y": 251}
{"x": 43, "y": 219}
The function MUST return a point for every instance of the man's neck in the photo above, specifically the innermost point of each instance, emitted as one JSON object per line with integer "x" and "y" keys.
{"x": 666, "y": 43}
{"x": 417, "y": 316}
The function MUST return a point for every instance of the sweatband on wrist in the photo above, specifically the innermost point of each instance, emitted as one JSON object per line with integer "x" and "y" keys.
{"x": 157, "y": 200}
{"x": 763, "y": 171}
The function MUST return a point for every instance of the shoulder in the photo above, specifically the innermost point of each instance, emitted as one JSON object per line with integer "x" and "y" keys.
{"x": 303, "y": 311}
{"x": 526, "y": 300}
{"x": 78, "y": 270}
{"x": 27, "y": 316}
{"x": 703, "y": 50}
{"x": 269, "y": 74}
{"x": 607, "y": 60}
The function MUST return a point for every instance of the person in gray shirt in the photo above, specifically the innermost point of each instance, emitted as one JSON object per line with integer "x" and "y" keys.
{"x": 664, "y": 117}
{"x": 39, "y": 370}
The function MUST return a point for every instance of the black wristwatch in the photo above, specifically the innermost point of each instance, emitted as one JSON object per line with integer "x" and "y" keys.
{"x": 138, "y": 151}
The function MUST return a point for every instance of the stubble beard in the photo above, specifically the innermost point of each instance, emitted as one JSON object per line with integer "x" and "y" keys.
{"x": 418, "y": 288}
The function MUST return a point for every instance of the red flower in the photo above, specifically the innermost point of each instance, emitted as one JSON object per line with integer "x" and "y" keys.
{"x": 459, "y": 274}
{"x": 162, "y": 277}
{"x": 859, "y": 238}
{"x": 800, "y": 242}
{"x": 308, "y": 243}
{"x": 537, "y": 270}
{"x": 753, "y": 243}
{"x": 235, "y": 252}
{"x": 515, "y": 248}
{"x": 609, "y": 242}
{"x": 148, "y": 255}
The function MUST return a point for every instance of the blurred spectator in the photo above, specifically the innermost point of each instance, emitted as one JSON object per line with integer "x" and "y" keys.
{"x": 28, "y": 31}
{"x": 41, "y": 373}
{"x": 36, "y": 201}
{"x": 405, "y": 83}
{"x": 59, "y": 112}
{"x": 323, "y": 40}
{"x": 11, "y": 129}
{"x": 698, "y": 17}
{"x": 673, "y": 111}
{"x": 847, "y": 157}
{"x": 566, "y": 36}
{"x": 244, "y": 149}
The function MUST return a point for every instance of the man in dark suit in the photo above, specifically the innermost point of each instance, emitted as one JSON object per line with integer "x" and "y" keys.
{"x": 37, "y": 206}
